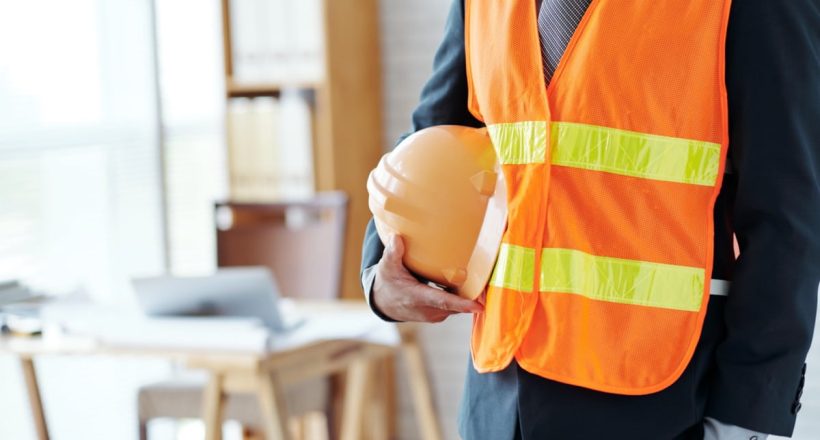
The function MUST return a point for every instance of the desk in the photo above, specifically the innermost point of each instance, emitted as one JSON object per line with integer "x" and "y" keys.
{"x": 263, "y": 373}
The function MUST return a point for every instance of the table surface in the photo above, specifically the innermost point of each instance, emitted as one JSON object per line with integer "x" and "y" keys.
{"x": 316, "y": 335}
{"x": 336, "y": 336}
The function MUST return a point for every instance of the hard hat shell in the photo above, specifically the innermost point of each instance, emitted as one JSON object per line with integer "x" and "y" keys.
{"x": 443, "y": 192}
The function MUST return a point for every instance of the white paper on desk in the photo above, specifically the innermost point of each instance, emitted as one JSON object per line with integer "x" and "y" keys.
{"x": 121, "y": 328}
{"x": 220, "y": 334}
{"x": 360, "y": 325}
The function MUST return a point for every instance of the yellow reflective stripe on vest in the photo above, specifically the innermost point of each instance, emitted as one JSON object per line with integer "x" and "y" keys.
{"x": 634, "y": 154}
{"x": 611, "y": 150}
{"x": 520, "y": 143}
{"x": 514, "y": 268}
{"x": 623, "y": 281}
{"x": 601, "y": 278}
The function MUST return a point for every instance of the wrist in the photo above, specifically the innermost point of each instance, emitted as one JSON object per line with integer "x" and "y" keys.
{"x": 373, "y": 285}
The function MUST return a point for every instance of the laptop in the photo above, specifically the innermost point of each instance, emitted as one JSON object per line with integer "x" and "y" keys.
{"x": 237, "y": 292}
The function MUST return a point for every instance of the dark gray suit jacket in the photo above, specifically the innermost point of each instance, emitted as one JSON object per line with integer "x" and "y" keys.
{"x": 749, "y": 365}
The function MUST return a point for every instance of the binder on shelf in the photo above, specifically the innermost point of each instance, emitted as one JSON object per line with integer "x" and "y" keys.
{"x": 330, "y": 54}
{"x": 296, "y": 161}
{"x": 277, "y": 41}
{"x": 270, "y": 148}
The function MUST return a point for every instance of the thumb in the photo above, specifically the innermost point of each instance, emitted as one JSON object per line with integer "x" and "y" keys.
{"x": 395, "y": 249}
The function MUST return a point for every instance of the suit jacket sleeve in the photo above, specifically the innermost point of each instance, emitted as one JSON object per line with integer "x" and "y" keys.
{"x": 773, "y": 81}
{"x": 443, "y": 101}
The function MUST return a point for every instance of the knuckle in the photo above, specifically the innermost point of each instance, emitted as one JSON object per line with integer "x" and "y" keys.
{"x": 412, "y": 301}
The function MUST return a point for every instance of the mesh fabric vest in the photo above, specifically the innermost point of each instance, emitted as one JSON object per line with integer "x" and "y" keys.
{"x": 612, "y": 172}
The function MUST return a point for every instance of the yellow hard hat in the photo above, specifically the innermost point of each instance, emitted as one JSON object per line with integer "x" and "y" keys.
{"x": 442, "y": 190}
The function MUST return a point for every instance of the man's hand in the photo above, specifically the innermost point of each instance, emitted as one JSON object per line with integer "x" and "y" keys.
{"x": 400, "y": 296}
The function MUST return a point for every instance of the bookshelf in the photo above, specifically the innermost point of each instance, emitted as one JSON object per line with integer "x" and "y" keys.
{"x": 344, "y": 92}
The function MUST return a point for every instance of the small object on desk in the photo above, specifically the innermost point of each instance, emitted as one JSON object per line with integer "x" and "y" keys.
{"x": 246, "y": 292}
{"x": 22, "y": 321}
{"x": 12, "y": 292}
{"x": 19, "y": 309}
{"x": 6, "y": 284}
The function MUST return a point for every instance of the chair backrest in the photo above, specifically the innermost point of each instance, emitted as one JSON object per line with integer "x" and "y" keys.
{"x": 301, "y": 242}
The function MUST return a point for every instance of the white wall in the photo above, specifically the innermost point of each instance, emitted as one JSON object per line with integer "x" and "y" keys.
{"x": 411, "y": 31}
{"x": 80, "y": 189}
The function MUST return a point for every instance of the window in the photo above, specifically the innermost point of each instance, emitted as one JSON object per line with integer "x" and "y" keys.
{"x": 80, "y": 204}
{"x": 81, "y": 201}
{"x": 192, "y": 84}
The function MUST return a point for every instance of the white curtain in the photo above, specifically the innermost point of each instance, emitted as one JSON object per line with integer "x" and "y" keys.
{"x": 79, "y": 159}
{"x": 193, "y": 96}
{"x": 81, "y": 177}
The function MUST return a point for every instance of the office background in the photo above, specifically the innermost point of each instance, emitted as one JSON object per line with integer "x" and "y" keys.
{"x": 82, "y": 189}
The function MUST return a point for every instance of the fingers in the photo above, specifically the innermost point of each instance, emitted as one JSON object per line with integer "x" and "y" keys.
{"x": 435, "y": 315}
{"x": 401, "y": 296}
{"x": 447, "y": 301}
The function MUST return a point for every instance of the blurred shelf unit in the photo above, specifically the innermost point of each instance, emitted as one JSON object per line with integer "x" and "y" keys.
{"x": 236, "y": 89}
{"x": 303, "y": 100}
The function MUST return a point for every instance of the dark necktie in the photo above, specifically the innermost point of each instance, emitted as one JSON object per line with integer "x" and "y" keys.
{"x": 557, "y": 21}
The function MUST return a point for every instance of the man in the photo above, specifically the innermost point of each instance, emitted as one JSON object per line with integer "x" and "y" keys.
{"x": 744, "y": 377}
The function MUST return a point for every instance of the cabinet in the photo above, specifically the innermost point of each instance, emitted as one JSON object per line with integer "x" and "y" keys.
{"x": 345, "y": 106}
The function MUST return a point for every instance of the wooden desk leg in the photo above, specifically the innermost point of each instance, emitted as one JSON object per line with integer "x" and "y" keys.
{"x": 34, "y": 400}
{"x": 213, "y": 405}
{"x": 274, "y": 411}
{"x": 377, "y": 419}
{"x": 355, "y": 398}
{"x": 389, "y": 396}
{"x": 420, "y": 387}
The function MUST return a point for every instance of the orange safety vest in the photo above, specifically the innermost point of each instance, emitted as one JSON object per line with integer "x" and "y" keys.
{"x": 612, "y": 172}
